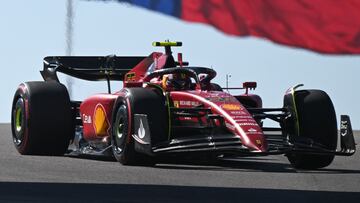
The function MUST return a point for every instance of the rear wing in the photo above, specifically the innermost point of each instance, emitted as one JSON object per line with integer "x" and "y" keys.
{"x": 94, "y": 68}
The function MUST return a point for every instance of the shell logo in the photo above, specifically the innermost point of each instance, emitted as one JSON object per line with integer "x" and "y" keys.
{"x": 231, "y": 107}
{"x": 101, "y": 122}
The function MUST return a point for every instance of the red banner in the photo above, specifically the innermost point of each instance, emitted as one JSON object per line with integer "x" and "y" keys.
{"x": 326, "y": 26}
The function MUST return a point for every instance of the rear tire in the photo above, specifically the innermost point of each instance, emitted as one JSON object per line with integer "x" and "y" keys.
{"x": 41, "y": 119}
{"x": 317, "y": 121}
{"x": 140, "y": 101}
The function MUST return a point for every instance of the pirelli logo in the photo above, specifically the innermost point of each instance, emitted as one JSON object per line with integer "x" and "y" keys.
{"x": 248, "y": 124}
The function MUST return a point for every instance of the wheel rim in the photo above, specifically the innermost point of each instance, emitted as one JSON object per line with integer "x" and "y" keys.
{"x": 119, "y": 138}
{"x": 120, "y": 129}
{"x": 18, "y": 121}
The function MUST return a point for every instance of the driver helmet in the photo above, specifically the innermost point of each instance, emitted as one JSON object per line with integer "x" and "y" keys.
{"x": 176, "y": 81}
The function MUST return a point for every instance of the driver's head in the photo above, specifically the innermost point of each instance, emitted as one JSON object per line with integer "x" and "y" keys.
{"x": 176, "y": 81}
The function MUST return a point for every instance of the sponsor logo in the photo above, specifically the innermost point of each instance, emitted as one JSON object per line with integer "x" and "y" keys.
{"x": 238, "y": 113}
{"x": 243, "y": 117}
{"x": 141, "y": 130}
{"x": 86, "y": 118}
{"x": 220, "y": 98}
{"x": 252, "y": 130}
{"x": 231, "y": 107}
{"x": 252, "y": 124}
{"x": 215, "y": 95}
{"x": 243, "y": 120}
{"x": 101, "y": 123}
{"x": 258, "y": 142}
{"x": 189, "y": 103}
{"x": 176, "y": 104}
{"x": 343, "y": 128}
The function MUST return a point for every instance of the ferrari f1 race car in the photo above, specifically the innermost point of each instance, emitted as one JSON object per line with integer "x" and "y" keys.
{"x": 168, "y": 108}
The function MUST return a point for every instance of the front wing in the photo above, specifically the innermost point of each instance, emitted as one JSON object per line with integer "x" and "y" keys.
{"x": 227, "y": 143}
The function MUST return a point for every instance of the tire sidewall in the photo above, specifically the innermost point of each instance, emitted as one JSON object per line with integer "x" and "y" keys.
{"x": 21, "y": 94}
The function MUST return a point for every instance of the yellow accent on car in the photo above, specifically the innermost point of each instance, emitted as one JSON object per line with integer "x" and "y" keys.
{"x": 101, "y": 123}
{"x": 164, "y": 44}
{"x": 297, "y": 125}
{"x": 130, "y": 76}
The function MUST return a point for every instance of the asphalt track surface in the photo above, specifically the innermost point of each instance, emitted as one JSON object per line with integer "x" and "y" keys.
{"x": 263, "y": 179}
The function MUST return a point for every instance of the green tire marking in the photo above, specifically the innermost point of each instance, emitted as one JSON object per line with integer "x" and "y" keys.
{"x": 297, "y": 124}
{"x": 18, "y": 119}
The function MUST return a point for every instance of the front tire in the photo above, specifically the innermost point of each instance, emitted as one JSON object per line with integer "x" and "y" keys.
{"x": 317, "y": 121}
{"x": 140, "y": 101}
{"x": 123, "y": 147}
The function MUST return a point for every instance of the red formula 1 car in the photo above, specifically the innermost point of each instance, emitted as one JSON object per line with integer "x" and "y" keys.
{"x": 167, "y": 108}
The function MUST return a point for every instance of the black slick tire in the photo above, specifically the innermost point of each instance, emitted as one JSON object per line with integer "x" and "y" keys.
{"x": 41, "y": 119}
{"x": 140, "y": 101}
{"x": 317, "y": 121}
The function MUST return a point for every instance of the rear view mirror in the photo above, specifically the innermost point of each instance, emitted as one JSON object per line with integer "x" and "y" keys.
{"x": 249, "y": 85}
